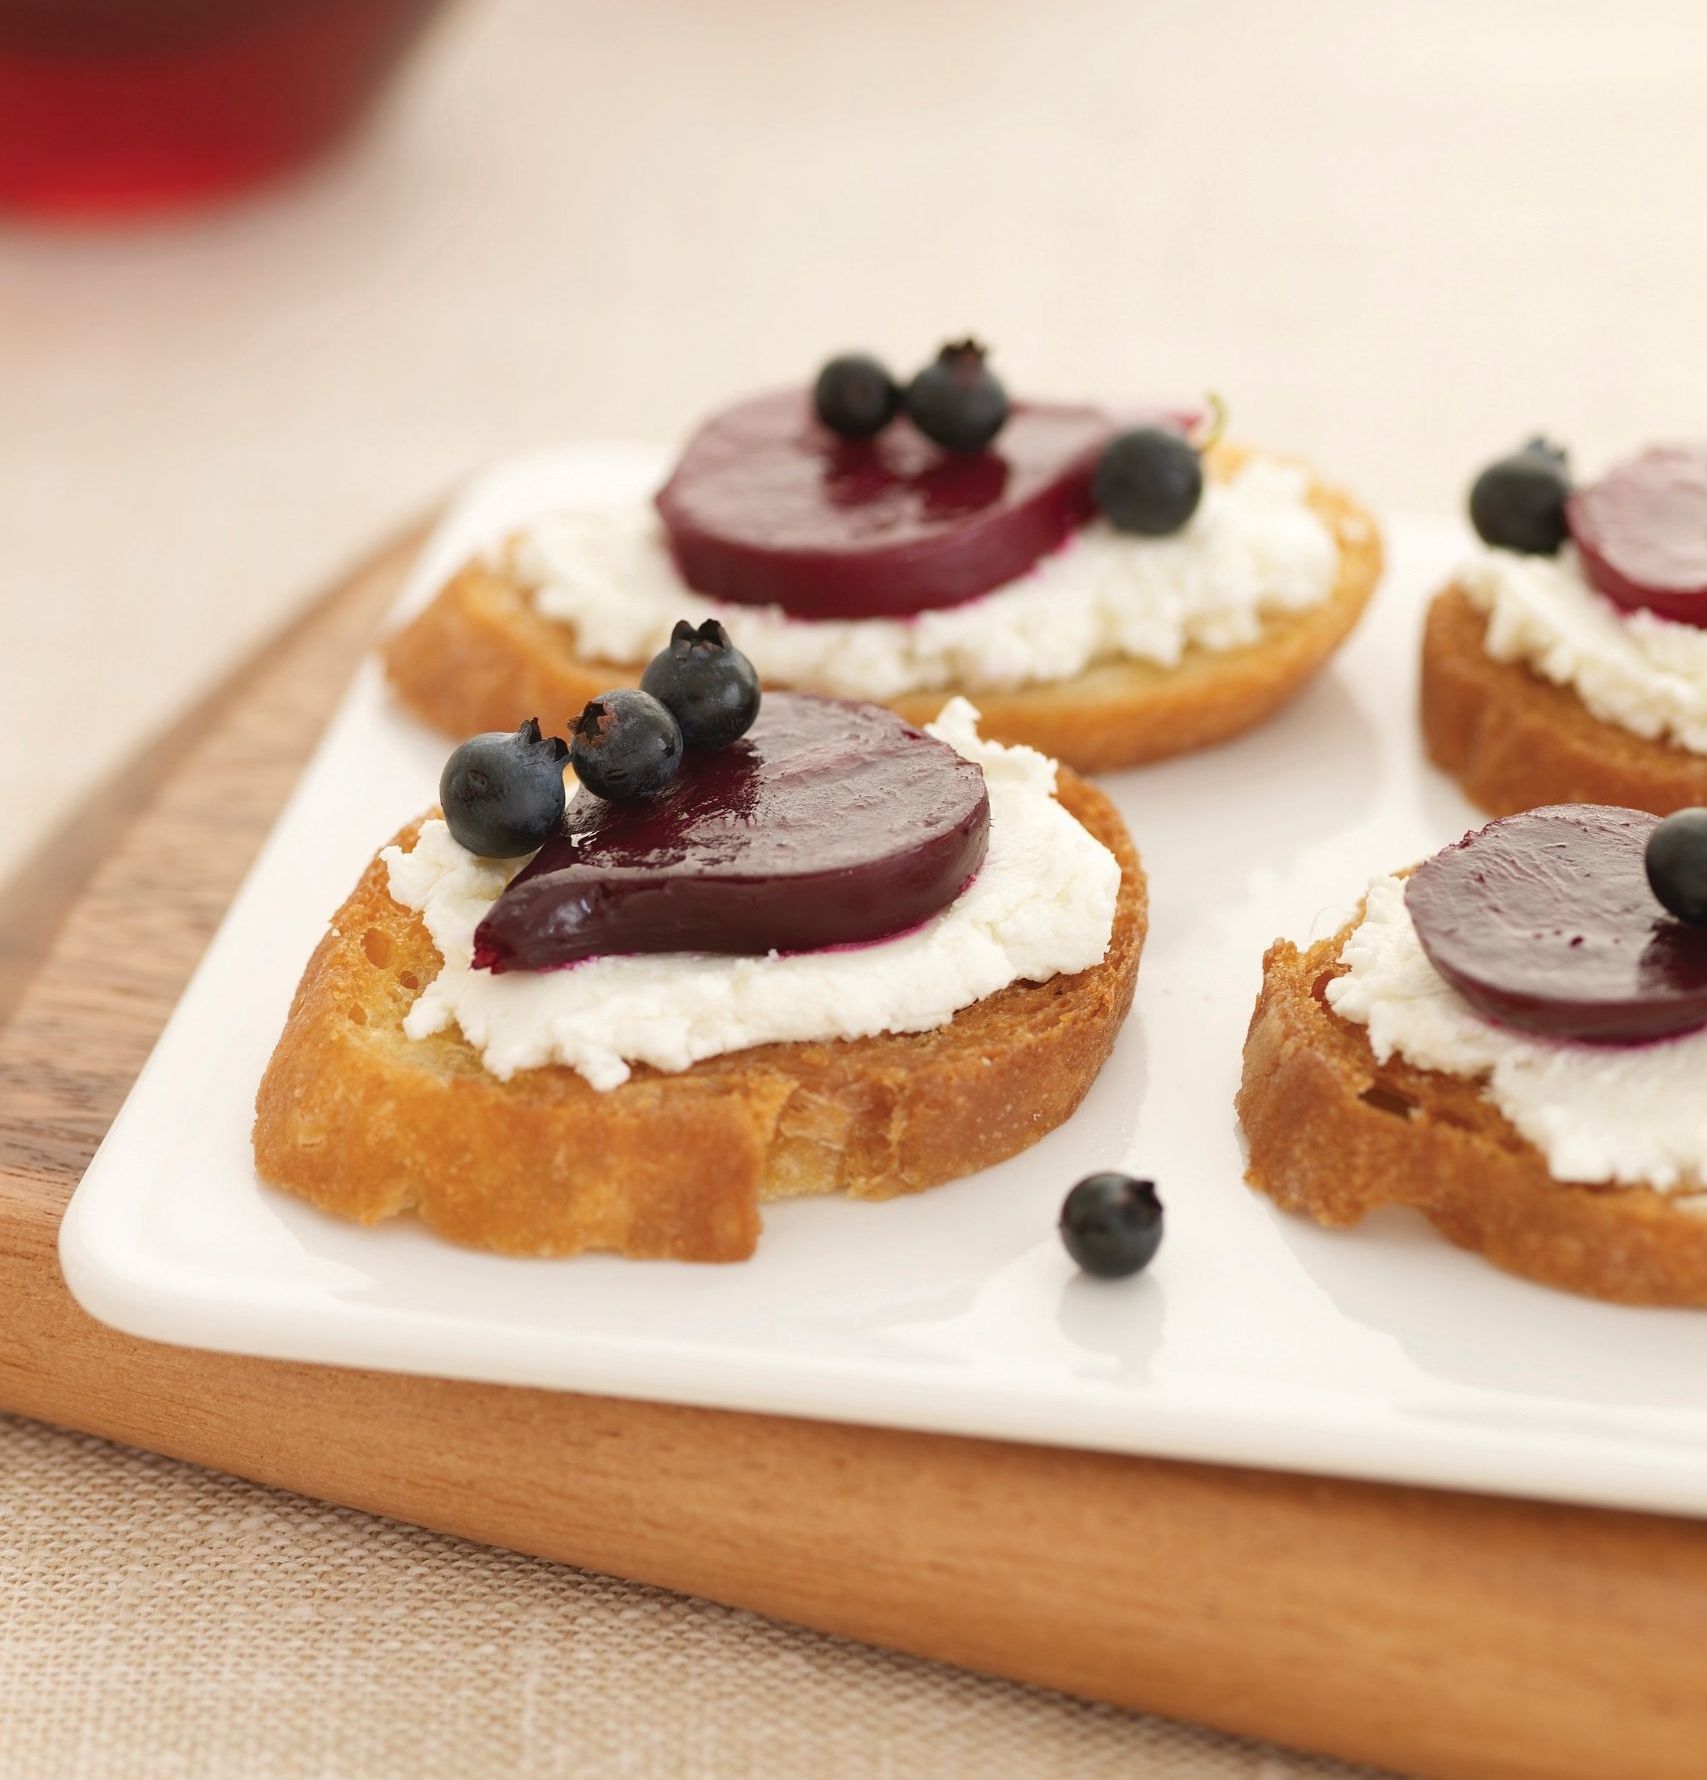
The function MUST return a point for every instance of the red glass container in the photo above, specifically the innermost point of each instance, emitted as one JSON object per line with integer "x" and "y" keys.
{"x": 115, "y": 106}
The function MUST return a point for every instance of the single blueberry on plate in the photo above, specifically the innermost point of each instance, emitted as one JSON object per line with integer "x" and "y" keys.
{"x": 1112, "y": 1224}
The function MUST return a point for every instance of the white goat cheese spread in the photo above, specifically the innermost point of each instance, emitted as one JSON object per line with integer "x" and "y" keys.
{"x": 1254, "y": 549}
{"x": 1645, "y": 673}
{"x": 1043, "y": 904}
{"x": 1608, "y": 1114}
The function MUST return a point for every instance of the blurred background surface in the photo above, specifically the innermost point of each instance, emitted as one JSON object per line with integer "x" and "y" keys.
{"x": 1397, "y": 236}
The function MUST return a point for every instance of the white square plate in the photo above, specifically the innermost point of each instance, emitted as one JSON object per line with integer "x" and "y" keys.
{"x": 1255, "y": 1338}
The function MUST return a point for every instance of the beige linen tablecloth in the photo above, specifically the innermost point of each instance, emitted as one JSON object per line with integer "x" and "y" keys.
{"x": 161, "y": 1623}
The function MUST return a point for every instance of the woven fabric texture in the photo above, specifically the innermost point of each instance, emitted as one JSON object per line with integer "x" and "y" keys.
{"x": 163, "y": 1623}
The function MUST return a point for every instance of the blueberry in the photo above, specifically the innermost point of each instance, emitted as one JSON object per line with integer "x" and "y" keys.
{"x": 502, "y": 793}
{"x": 1518, "y": 503}
{"x": 1677, "y": 865}
{"x": 625, "y": 744}
{"x": 1148, "y": 480}
{"x": 706, "y": 684}
{"x": 956, "y": 401}
{"x": 855, "y": 396}
{"x": 1112, "y": 1224}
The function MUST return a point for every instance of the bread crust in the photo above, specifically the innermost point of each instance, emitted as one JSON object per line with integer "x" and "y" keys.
{"x": 1515, "y": 741}
{"x": 480, "y": 657}
{"x": 1333, "y": 1134}
{"x": 366, "y": 1123}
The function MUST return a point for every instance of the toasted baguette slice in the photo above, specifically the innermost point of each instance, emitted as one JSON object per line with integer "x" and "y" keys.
{"x": 367, "y": 1123}
{"x": 1515, "y": 741}
{"x": 1332, "y": 1133}
{"x": 481, "y": 657}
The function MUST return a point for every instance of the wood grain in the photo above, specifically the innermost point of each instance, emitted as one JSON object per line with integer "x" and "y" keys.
{"x": 1456, "y": 1636}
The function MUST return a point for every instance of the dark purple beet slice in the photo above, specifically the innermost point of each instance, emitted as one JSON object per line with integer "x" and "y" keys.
{"x": 1545, "y": 921}
{"x": 768, "y": 507}
{"x": 826, "y": 824}
{"x": 1641, "y": 532}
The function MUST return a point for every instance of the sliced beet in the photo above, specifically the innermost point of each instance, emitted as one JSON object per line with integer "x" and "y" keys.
{"x": 1545, "y": 921}
{"x": 827, "y": 824}
{"x": 1641, "y": 532}
{"x": 769, "y": 507}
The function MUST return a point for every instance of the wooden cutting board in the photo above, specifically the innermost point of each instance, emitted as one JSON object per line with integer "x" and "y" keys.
{"x": 1457, "y": 1636}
